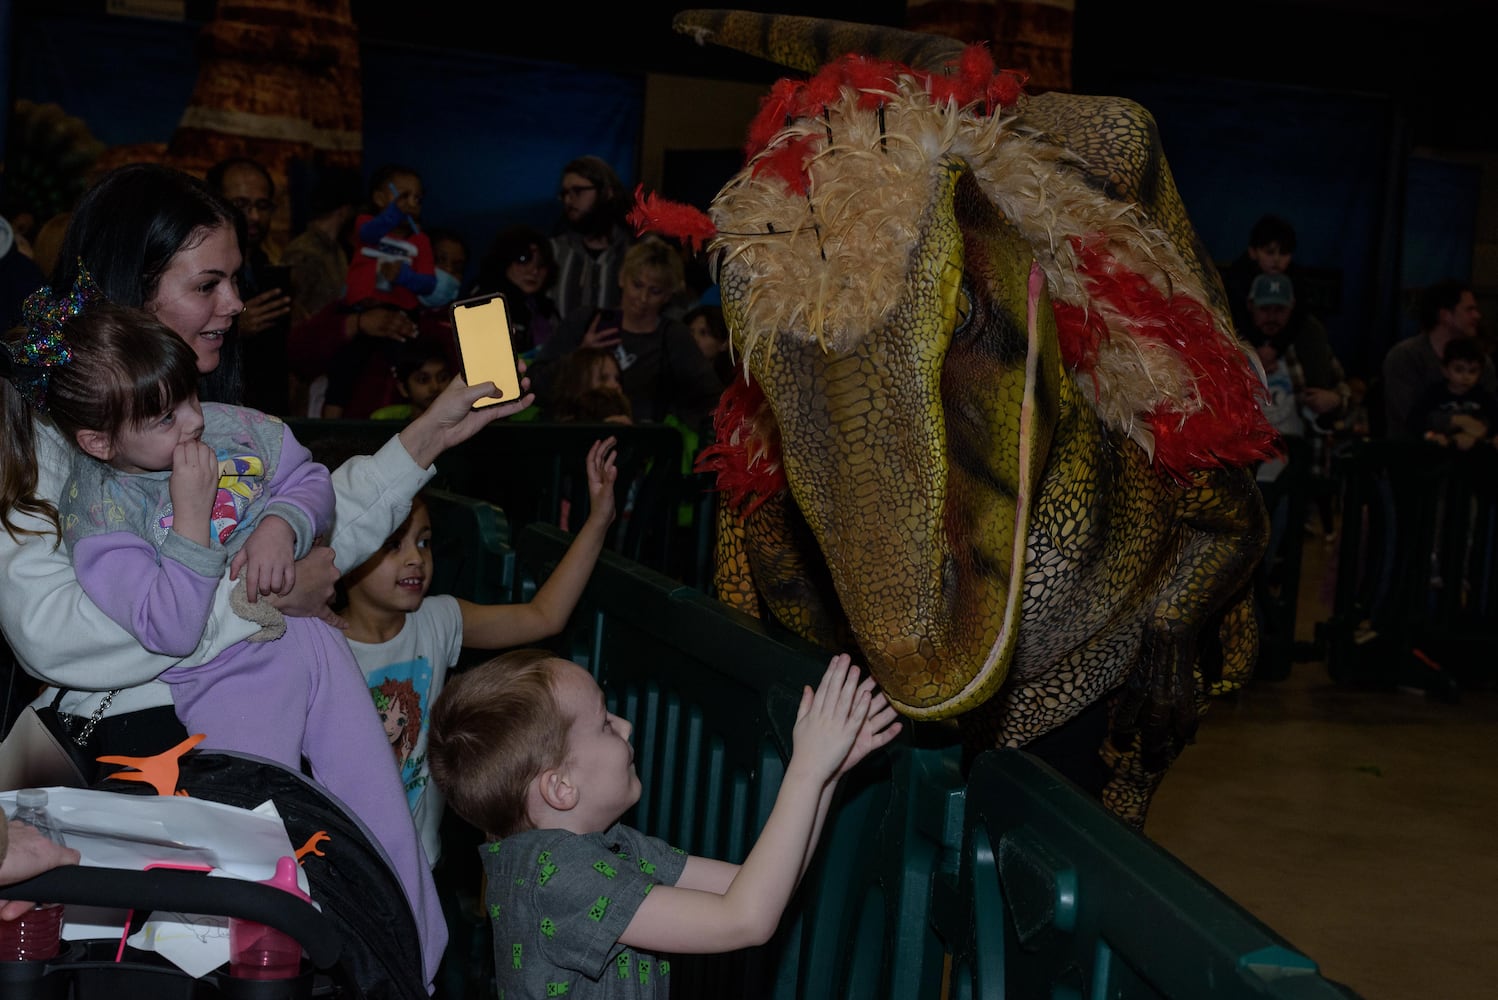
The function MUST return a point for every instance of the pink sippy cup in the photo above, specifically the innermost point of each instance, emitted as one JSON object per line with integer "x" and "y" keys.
{"x": 257, "y": 951}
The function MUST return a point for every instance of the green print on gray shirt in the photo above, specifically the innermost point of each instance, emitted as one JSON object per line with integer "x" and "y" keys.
{"x": 568, "y": 928}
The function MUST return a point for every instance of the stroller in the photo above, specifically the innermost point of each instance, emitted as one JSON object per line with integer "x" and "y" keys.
{"x": 362, "y": 945}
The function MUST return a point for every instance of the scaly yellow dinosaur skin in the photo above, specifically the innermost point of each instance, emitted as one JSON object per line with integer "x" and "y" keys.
{"x": 1000, "y": 553}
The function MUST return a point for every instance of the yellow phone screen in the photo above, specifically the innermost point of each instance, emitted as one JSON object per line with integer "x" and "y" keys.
{"x": 483, "y": 333}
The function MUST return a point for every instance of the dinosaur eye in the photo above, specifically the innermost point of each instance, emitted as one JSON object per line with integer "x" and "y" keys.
{"x": 962, "y": 311}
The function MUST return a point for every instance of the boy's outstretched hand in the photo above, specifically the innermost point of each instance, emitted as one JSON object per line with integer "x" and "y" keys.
{"x": 840, "y": 723}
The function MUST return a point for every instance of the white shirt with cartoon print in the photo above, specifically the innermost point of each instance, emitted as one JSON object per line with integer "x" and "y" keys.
{"x": 405, "y": 676}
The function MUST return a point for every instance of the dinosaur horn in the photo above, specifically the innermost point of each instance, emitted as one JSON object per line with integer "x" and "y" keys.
{"x": 807, "y": 43}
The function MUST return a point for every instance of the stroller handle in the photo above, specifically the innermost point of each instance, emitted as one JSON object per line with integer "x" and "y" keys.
{"x": 187, "y": 892}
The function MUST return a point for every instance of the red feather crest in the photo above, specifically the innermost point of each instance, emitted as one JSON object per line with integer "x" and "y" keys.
{"x": 689, "y": 224}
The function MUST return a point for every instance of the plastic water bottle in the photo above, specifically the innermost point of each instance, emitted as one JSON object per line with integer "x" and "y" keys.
{"x": 36, "y": 934}
{"x": 257, "y": 951}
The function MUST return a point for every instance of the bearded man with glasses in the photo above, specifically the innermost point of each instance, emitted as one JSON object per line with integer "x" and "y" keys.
{"x": 590, "y": 238}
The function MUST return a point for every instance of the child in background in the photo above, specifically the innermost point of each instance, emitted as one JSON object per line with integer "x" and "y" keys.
{"x": 710, "y": 331}
{"x": 421, "y": 370}
{"x": 450, "y": 256}
{"x": 587, "y": 384}
{"x": 588, "y": 392}
{"x": 394, "y": 264}
{"x": 166, "y": 492}
{"x": 1270, "y": 250}
{"x": 405, "y": 641}
{"x": 595, "y": 406}
{"x": 526, "y": 750}
{"x": 1457, "y": 412}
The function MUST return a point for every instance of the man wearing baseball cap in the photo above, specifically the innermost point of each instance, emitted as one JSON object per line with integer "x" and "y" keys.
{"x": 1301, "y": 342}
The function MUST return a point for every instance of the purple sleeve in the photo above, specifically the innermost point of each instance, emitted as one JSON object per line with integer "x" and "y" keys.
{"x": 304, "y": 484}
{"x": 165, "y": 606}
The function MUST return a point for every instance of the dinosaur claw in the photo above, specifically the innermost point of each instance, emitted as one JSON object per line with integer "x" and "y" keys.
{"x": 160, "y": 771}
{"x": 311, "y": 846}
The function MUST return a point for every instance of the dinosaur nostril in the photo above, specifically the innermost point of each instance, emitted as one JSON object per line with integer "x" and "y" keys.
{"x": 948, "y": 581}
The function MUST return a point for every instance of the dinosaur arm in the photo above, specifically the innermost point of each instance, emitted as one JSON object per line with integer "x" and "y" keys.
{"x": 772, "y": 564}
{"x": 1225, "y": 529}
{"x": 733, "y": 583}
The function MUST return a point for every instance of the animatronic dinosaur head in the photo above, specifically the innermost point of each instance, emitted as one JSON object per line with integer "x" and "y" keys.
{"x": 925, "y": 275}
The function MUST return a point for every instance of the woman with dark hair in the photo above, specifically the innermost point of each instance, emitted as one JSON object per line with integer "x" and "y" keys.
{"x": 520, "y": 265}
{"x": 129, "y": 230}
{"x": 154, "y": 237}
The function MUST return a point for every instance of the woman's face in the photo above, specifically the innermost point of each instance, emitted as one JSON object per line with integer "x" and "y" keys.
{"x": 197, "y": 298}
{"x": 644, "y": 293}
{"x": 528, "y": 271}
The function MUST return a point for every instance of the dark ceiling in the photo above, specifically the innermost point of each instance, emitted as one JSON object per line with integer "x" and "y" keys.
{"x": 1435, "y": 55}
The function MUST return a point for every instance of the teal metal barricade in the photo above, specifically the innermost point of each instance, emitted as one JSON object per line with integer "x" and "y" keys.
{"x": 1005, "y": 884}
{"x": 1056, "y": 898}
{"x": 1417, "y": 566}
{"x": 471, "y": 554}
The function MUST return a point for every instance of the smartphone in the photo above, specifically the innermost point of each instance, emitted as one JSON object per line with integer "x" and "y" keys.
{"x": 482, "y": 328}
{"x": 274, "y": 276}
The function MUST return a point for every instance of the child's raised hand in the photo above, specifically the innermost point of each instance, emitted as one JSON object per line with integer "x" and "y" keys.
{"x": 193, "y": 487}
{"x": 602, "y": 474}
{"x": 268, "y": 559}
{"x": 829, "y": 719}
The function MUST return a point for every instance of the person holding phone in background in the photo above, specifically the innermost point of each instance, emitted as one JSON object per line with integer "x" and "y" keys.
{"x": 662, "y": 371}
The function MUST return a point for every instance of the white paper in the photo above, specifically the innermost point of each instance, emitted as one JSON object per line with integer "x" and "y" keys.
{"x": 194, "y": 943}
{"x": 115, "y": 830}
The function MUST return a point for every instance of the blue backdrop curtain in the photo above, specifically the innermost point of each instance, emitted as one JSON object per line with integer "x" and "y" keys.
{"x": 1440, "y": 225}
{"x": 489, "y": 135}
{"x": 1321, "y": 160}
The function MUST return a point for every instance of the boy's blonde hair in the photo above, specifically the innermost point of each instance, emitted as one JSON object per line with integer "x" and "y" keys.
{"x": 494, "y": 728}
{"x": 655, "y": 254}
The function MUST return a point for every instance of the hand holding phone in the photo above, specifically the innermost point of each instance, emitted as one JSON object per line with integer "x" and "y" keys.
{"x": 274, "y": 277}
{"x": 482, "y": 328}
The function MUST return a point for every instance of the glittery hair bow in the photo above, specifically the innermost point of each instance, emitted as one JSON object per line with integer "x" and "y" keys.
{"x": 43, "y": 348}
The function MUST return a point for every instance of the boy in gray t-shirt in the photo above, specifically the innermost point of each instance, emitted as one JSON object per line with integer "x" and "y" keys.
{"x": 526, "y": 749}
